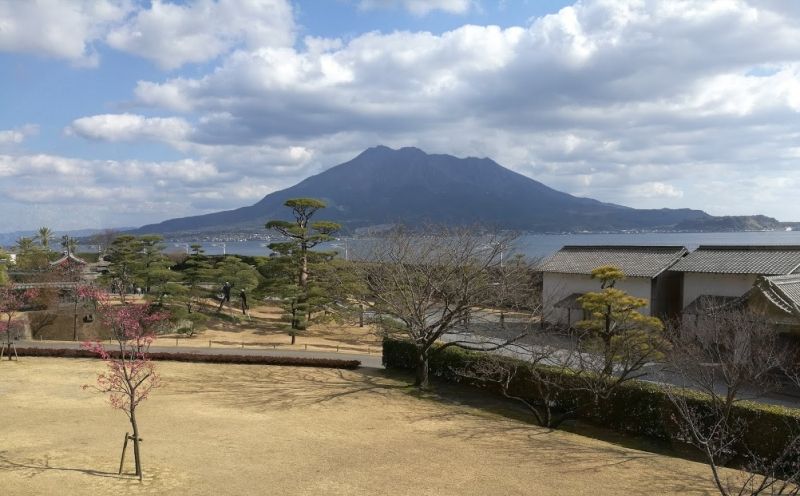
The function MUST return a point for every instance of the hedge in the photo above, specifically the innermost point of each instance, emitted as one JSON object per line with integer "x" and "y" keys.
{"x": 203, "y": 358}
{"x": 635, "y": 407}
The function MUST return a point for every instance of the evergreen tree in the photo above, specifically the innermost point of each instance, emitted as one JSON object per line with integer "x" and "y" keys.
{"x": 289, "y": 274}
{"x": 279, "y": 280}
{"x": 45, "y": 235}
{"x": 624, "y": 338}
{"x": 30, "y": 256}
{"x": 123, "y": 255}
{"x": 197, "y": 272}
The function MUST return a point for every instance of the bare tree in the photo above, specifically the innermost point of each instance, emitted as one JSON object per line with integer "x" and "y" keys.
{"x": 533, "y": 377}
{"x": 12, "y": 301}
{"x": 731, "y": 356}
{"x": 441, "y": 281}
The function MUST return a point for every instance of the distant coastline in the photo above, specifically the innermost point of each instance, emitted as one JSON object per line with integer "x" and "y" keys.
{"x": 531, "y": 245}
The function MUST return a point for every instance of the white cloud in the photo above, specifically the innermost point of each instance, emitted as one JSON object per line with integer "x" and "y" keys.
{"x": 655, "y": 190}
{"x": 602, "y": 99}
{"x": 17, "y": 135}
{"x": 420, "y": 7}
{"x": 42, "y": 166}
{"x": 648, "y": 103}
{"x": 56, "y": 28}
{"x": 169, "y": 33}
{"x": 173, "y": 34}
{"x": 130, "y": 127}
{"x": 70, "y": 192}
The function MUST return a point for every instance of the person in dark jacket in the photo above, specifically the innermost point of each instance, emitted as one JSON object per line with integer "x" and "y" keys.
{"x": 226, "y": 295}
{"x": 243, "y": 297}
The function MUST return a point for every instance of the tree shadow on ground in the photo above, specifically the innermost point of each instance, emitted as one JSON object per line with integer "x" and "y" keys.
{"x": 281, "y": 388}
{"x": 484, "y": 417}
{"x": 474, "y": 416}
{"x": 32, "y": 467}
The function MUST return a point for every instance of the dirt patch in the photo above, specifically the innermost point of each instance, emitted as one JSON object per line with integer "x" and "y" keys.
{"x": 264, "y": 328}
{"x": 232, "y": 429}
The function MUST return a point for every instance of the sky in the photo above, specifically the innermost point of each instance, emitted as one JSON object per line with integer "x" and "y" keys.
{"x": 123, "y": 112}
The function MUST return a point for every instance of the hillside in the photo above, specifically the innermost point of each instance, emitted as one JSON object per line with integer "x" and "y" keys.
{"x": 386, "y": 186}
{"x": 731, "y": 224}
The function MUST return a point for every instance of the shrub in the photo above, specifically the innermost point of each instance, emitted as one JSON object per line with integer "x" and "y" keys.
{"x": 204, "y": 358}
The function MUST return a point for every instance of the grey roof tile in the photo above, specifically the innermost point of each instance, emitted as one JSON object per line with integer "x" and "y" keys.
{"x": 783, "y": 291}
{"x": 634, "y": 261}
{"x": 763, "y": 260}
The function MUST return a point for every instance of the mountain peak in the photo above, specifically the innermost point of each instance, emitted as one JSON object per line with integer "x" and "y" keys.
{"x": 383, "y": 185}
{"x": 385, "y": 150}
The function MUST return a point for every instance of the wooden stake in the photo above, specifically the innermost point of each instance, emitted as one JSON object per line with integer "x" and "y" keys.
{"x": 124, "y": 448}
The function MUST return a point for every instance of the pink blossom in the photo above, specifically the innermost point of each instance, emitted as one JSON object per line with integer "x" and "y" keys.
{"x": 130, "y": 375}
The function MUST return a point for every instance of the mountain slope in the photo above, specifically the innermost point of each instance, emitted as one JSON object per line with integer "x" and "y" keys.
{"x": 383, "y": 186}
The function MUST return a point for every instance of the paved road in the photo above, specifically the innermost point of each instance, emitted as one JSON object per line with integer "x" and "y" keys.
{"x": 371, "y": 361}
{"x": 656, "y": 373}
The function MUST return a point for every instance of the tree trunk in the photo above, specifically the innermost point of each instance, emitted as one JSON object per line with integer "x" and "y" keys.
{"x": 136, "y": 455}
{"x": 303, "y": 268}
{"x": 75, "y": 322}
{"x": 293, "y": 338}
{"x": 8, "y": 337}
{"x": 361, "y": 315}
{"x": 608, "y": 365}
{"x": 421, "y": 379}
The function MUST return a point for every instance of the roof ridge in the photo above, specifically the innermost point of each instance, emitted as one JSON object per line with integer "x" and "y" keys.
{"x": 623, "y": 247}
{"x": 783, "y": 278}
{"x": 749, "y": 247}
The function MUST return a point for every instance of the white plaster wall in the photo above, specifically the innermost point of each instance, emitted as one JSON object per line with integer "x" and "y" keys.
{"x": 699, "y": 284}
{"x": 557, "y": 286}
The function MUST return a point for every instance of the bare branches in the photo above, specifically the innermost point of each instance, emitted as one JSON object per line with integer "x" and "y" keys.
{"x": 730, "y": 356}
{"x": 442, "y": 280}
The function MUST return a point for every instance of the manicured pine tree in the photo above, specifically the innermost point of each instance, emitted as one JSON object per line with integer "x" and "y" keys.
{"x": 296, "y": 256}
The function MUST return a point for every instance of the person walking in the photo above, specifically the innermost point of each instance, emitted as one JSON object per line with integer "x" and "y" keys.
{"x": 243, "y": 298}
{"x": 226, "y": 295}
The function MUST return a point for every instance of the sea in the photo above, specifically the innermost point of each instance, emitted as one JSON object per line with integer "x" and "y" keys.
{"x": 537, "y": 245}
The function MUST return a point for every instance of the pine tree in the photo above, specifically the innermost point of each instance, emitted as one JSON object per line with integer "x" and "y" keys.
{"x": 289, "y": 273}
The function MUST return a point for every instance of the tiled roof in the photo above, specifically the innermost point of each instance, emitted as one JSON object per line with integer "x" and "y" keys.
{"x": 634, "y": 261}
{"x": 67, "y": 257}
{"x": 783, "y": 291}
{"x": 763, "y": 260}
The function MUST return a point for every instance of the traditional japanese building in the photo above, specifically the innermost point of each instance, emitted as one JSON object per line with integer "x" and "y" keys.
{"x": 567, "y": 276}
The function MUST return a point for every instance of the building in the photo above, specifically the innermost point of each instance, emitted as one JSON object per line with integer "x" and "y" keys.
{"x": 714, "y": 277}
{"x": 778, "y": 298}
{"x": 567, "y": 276}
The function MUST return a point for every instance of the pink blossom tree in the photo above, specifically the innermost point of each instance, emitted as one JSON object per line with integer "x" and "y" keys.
{"x": 12, "y": 301}
{"x": 130, "y": 375}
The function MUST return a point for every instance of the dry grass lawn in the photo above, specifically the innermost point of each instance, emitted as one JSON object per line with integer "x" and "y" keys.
{"x": 239, "y": 429}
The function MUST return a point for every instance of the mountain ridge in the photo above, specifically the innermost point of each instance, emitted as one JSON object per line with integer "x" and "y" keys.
{"x": 386, "y": 186}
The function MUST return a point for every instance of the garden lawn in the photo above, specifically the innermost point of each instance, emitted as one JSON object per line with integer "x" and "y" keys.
{"x": 244, "y": 429}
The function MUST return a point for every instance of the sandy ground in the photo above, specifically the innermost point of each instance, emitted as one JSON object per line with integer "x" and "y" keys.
{"x": 263, "y": 328}
{"x": 238, "y": 429}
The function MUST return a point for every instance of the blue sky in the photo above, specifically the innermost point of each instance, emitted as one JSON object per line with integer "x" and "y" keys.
{"x": 121, "y": 112}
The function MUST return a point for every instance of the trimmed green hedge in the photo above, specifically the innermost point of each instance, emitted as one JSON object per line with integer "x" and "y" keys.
{"x": 635, "y": 407}
{"x": 289, "y": 361}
